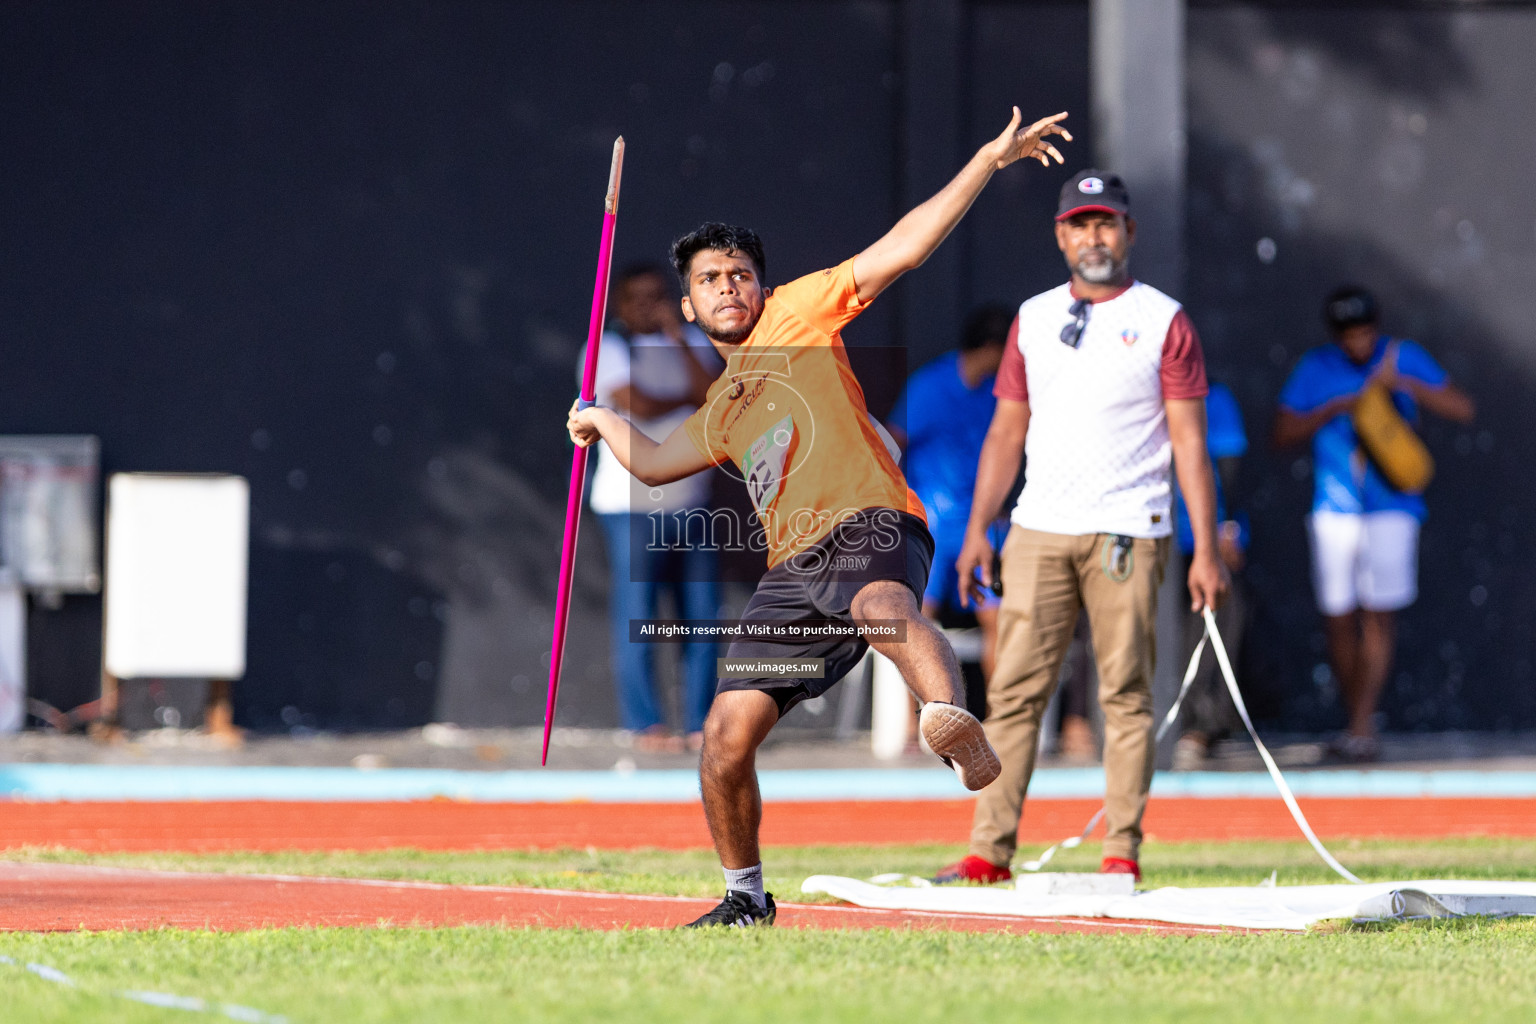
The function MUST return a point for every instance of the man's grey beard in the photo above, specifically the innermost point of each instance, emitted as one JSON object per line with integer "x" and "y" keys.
{"x": 1098, "y": 266}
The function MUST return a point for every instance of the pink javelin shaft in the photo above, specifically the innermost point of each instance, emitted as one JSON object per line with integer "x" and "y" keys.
{"x": 579, "y": 457}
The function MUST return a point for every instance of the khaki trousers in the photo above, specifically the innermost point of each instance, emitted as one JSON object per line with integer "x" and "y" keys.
{"x": 1047, "y": 579}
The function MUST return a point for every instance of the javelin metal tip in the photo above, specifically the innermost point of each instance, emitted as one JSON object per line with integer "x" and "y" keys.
{"x": 615, "y": 170}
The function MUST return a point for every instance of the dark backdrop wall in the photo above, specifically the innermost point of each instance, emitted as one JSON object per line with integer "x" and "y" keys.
{"x": 346, "y": 251}
{"x": 1392, "y": 148}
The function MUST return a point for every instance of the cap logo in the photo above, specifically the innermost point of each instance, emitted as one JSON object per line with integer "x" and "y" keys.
{"x": 1091, "y": 186}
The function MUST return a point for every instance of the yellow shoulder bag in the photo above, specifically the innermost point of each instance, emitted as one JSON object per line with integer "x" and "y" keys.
{"x": 1390, "y": 442}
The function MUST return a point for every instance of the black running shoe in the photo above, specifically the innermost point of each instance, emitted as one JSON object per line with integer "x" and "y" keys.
{"x": 737, "y": 911}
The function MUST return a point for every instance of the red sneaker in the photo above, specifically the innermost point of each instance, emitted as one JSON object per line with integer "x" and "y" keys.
{"x": 974, "y": 870}
{"x": 1120, "y": 866}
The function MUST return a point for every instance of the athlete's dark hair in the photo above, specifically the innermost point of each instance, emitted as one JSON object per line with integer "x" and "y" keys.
{"x": 987, "y": 325}
{"x": 1350, "y": 306}
{"x": 645, "y": 269}
{"x": 718, "y": 238}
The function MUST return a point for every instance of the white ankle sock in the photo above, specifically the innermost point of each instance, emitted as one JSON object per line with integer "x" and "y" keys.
{"x": 749, "y": 881}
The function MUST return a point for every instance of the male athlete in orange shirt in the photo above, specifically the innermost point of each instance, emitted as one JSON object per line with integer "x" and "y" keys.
{"x": 846, "y": 538}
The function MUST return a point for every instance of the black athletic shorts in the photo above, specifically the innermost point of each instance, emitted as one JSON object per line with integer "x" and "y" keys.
{"x": 820, "y": 583}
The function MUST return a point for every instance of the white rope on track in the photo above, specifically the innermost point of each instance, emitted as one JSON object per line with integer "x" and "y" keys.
{"x": 1269, "y": 762}
{"x": 1213, "y": 635}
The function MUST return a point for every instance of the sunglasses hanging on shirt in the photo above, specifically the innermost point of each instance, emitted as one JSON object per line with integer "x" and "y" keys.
{"x": 1072, "y": 333}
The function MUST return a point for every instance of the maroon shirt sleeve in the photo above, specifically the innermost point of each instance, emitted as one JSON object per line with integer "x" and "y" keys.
{"x": 1011, "y": 382}
{"x": 1183, "y": 369}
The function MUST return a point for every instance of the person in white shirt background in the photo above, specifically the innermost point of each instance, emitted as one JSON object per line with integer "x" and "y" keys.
{"x": 655, "y": 369}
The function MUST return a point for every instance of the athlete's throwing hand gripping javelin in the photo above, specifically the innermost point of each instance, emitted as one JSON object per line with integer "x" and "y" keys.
{"x": 582, "y": 431}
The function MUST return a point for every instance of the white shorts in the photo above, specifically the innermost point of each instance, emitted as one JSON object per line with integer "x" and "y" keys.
{"x": 1368, "y": 561}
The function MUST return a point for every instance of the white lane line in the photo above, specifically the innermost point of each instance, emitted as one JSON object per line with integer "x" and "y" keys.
{"x": 165, "y": 1000}
{"x": 378, "y": 883}
{"x": 44, "y": 971}
{"x": 523, "y": 890}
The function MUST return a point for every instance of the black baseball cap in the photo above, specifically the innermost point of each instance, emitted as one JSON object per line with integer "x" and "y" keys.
{"x": 1093, "y": 190}
{"x": 1350, "y": 306}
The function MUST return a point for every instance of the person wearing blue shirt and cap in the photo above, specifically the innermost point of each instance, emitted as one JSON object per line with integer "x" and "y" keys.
{"x": 1364, "y": 532}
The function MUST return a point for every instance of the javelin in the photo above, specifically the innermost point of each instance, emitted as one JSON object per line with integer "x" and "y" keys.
{"x": 579, "y": 457}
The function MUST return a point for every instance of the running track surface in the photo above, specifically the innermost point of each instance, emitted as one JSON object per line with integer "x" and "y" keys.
{"x": 56, "y": 897}
{"x": 449, "y": 825}
{"x": 66, "y": 897}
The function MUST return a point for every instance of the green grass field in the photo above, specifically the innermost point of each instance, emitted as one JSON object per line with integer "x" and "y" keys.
{"x": 1466, "y": 971}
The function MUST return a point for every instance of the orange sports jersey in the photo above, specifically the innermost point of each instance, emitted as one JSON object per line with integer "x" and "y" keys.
{"x": 790, "y": 415}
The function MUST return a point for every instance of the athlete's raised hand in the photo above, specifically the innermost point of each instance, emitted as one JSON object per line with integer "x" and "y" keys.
{"x": 916, "y": 235}
{"x": 1033, "y": 142}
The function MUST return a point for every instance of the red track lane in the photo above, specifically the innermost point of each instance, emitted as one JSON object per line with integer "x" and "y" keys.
{"x": 60, "y": 897}
{"x": 447, "y": 825}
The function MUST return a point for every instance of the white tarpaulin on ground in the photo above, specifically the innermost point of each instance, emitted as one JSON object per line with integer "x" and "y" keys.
{"x": 1257, "y": 907}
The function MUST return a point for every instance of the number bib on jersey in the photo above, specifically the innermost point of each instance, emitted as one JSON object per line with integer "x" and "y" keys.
{"x": 763, "y": 466}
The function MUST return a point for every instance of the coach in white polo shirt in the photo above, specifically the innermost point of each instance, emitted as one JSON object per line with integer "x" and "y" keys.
{"x": 1102, "y": 386}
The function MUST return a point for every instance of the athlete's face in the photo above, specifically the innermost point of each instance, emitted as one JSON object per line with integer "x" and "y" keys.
{"x": 1096, "y": 245}
{"x": 988, "y": 358}
{"x": 1358, "y": 342}
{"x": 725, "y": 296}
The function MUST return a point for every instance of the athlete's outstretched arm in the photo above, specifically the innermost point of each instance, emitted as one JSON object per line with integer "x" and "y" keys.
{"x": 916, "y": 235}
{"x": 652, "y": 463}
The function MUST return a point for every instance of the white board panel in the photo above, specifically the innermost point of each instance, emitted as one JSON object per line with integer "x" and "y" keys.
{"x": 48, "y": 521}
{"x": 176, "y": 575}
{"x": 13, "y": 653}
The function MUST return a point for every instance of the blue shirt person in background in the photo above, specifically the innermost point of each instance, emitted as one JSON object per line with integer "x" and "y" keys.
{"x": 1227, "y": 442}
{"x": 1209, "y": 713}
{"x": 940, "y": 422}
{"x": 1364, "y": 534}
